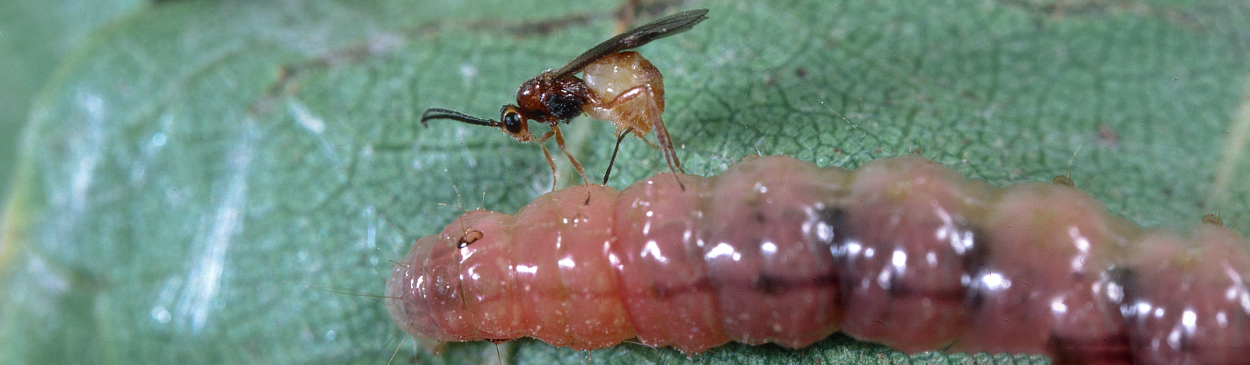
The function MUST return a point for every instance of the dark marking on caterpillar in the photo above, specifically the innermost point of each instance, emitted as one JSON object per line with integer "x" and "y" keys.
{"x": 469, "y": 237}
{"x": 1213, "y": 219}
{"x": 903, "y": 252}
{"x": 1064, "y": 180}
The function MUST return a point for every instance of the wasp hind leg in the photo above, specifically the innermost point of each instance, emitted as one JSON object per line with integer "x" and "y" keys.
{"x": 653, "y": 120}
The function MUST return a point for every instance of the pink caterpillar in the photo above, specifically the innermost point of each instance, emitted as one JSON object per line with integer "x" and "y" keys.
{"x": 903, "y": 252}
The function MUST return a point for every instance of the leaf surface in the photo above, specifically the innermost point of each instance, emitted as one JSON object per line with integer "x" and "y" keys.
{"x": 229, "y": 182}
{"x": 35, "y": 35}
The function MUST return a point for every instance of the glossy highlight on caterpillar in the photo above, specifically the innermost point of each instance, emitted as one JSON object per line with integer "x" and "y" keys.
{"x": 903, "y": 252}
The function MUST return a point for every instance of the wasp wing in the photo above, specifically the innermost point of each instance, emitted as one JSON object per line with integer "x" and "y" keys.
{"x": 636, "y": 37}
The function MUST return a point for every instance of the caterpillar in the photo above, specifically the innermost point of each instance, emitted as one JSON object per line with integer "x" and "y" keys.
{"x": 903, "y": 251}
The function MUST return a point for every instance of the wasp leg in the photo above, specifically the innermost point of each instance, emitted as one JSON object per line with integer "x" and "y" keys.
{"x": 653, "y": 116}
{"x": 555, "y": 176}
{"x": 577, "y": 165}
{"x": 616, "y": 149}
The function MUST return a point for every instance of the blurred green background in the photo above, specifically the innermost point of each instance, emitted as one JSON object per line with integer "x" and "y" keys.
{"x": 35, "y": 36}
{"x": 227, "y": 182}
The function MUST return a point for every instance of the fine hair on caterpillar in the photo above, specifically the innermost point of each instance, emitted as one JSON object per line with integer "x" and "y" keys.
{"x": 902, "y": 251}
{"x": 396, "y": 343}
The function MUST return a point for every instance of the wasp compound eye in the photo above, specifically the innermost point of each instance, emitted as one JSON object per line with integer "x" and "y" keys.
{"x": 512, "y": 122}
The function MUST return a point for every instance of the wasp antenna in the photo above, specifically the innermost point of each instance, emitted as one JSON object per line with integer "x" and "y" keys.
{"x": 440, "y": 113}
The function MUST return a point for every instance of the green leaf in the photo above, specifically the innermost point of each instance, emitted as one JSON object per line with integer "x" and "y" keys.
{"x": 228, "y": 183}
{"x": 35, "y": 35}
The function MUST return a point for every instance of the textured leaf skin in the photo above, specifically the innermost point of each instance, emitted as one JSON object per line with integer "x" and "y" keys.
{"x": 35, "y": 36}
{"x": 202, "y": 182}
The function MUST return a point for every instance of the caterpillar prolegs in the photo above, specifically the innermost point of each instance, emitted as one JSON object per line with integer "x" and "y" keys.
{"x": 902, "y": 251}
